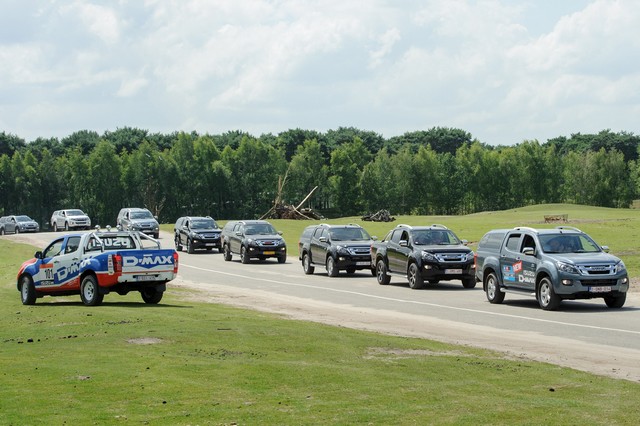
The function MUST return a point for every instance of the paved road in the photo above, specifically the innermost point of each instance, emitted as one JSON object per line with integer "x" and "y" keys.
{"x": 584, "y": 335}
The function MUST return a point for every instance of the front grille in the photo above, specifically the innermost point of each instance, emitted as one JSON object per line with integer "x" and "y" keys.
{"x": 598, "y": 283}
{"x": 268, "y": 243}
{"x": 451, "y": 257}
{"x": 597, "y": 269}
{"x": 360, "y": 251}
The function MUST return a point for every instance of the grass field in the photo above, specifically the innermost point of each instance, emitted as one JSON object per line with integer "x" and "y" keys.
{"x": 187, "y": 363}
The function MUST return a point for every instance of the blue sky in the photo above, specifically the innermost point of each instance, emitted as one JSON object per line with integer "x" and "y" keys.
{"x": 505, "y": 71}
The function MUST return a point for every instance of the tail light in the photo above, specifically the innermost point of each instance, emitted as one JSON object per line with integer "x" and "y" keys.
{"x": 117, "y": 263}
{"x": 175, "y": 262}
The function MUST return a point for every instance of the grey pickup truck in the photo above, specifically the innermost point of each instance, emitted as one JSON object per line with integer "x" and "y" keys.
{"x": 551, "y": 265}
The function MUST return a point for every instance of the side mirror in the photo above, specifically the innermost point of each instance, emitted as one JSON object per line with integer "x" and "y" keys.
{"x": 322, "y": 239}
{"x": 465, "y": 242}
{"x": 374, "y": 238}
{"x": 605, "y": 249}
{"x": 403, "y": 243}
{"x": 279, "y": 232}
{"x": 529, "y": 251}
{"x": 239, "y": 233}
{"x": 38, "y": 254}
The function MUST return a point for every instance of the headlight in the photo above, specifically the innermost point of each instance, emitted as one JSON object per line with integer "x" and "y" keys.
{"x": 429, "y": 256}
{"x": 567, "y": 268}
{"x": 620, "y": 267}
{"x": 469, "y": 257}
{"x": 342, "y": 250}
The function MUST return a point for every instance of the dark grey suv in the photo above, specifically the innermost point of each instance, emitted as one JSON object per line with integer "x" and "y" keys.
{"x": 17, "y": 224}
{"x": 336, "y": 248}
{"x": 253, "y": 239}
{"x": 197, "y": 232}
{"x": 137, "y": 219}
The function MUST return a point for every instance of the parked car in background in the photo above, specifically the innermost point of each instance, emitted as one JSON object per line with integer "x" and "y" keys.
{"x": 336, "y": 248}
{"x": 197, "y": 232}
{"x": 17, "y": 224}
{"x": 137, "y": 219}
{"x": 69, "y": 219}
{"x": 252, "y": 239}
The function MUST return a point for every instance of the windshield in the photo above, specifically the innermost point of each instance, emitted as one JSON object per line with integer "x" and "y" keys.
{"x": 430, "y": 237}
{"x": 204, "y": 224}
{"x": 141, "y": 215}
{"x": 349, "y": 234}
{"x": 75, "y": 213}
{"x": 24, "y": 219}
{"x": 260, "y": 229}
{"x": 563, "y": 243}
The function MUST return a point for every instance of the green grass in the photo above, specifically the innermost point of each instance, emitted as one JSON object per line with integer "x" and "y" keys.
{"x": 617, "y": 228}
{"x": 64, "y": 363}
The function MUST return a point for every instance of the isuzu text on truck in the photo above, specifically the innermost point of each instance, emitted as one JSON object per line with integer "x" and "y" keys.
{"x": 550, "y": 264}
{"x": 96, "y": 263}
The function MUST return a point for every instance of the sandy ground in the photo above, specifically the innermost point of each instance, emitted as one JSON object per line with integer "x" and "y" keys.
{"x": 597, "y": 359}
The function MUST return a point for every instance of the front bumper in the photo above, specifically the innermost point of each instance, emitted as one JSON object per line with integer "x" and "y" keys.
{"x": 448, "y": 271}
{"x": 200, "y": 243}
{"x": 266, "y": 251}
{"x": 353, "y": 262}
{"x": 571, "y": 286}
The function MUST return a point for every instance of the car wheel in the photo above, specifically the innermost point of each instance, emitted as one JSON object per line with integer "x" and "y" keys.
{"x": 151, "y": 295}
{"x": 27, "y": 290}
{"x": 156, "y": 236}
{"x": 227, "y": 252}
{"x": 381, "y": 273}
{"x": 415, "y": 277}
{"x": 244, "y": 257}
{"x": 66, "y": 226}
{"x": 615, "y": 301}
{"x": 89, "y": 291}
{"x": 178, "y": 245}
{"x": 282, "y": 259}
{"x": 494, "y": 295}
{"x": 17, "y": 231}
{"x": 55, "y": 227}
{"x": 189, "y": 246}
{"x": 547, "y": 298}
{"x": 306, "y": 264}
{"x": 332, "y": 269}
{"x": 469, "y": 282}
{"x": 1, "y": 231}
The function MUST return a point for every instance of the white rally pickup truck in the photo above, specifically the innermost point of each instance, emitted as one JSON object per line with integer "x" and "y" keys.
{"x": 96, "y": 263}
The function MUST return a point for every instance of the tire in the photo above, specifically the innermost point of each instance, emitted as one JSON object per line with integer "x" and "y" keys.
{"x": 189, "y": 246}
{"x": 469, "y": 282}
{"x": 244, "y": 257}
{"x": 156, "y": 236}
{"x": 28, "y": 293}
{"x": 55, "y": 227}
{"x": 332, "y": 269}
{"x": 227, "y": 253}
{"x": 416, "y": 281}
{"x": 615, "y": 302}
{"x": 178, "y": 245}
{"x": 373, "y": 272}
{"x": 17, "y": 231}
{"x": 2, "y": 231}
{"x": 547, "y": 298}
{"x": 306, "y": 264}
{"x": 282, "y": 259}
{"x": 66, "y": 227}
{"x": 381, "y": 273}
{"x": 494, "y": 295}
{"x": 90, "y": 292}
{"x": 151, "y": 295}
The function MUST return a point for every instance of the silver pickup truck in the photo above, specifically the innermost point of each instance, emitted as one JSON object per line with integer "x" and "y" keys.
{"x": 551, "y": 265}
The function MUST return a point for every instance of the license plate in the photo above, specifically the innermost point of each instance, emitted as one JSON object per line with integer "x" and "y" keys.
{"x": 145, "y": 277}
{"x": 453, "y": 271}
{"x": 210, "y": 244}
{"x": 269, "y": 252}
{"x": 600, "y": 289}
{"x": 363, "y": 263}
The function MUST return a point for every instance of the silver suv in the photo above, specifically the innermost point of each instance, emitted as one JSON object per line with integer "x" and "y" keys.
{"x": 17, "y": 224}
{"x": 70, "y": 219}
{"x": 136, "y": 219}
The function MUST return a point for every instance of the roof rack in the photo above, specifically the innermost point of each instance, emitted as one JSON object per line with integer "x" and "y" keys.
{"x": 572, "y": 228}
{"x": 437, "y": 225}
{"x": 526, "y": 228}
{"x": 353, "y": 224}
{"x": 404, "y": 224}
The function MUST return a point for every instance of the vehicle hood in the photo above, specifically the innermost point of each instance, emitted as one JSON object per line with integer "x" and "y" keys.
{"x": 582, "y": 258}
{"x": 207, "y": 231}
{"x": 459, "y": 248}
{"x": 353, "y": 243}
{"x": 78, "y": 216}
{"x": 144, "y": 221}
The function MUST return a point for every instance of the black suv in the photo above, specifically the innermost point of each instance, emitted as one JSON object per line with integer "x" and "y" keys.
{"x": 197, "y": 232}
{"x": 420, "y": 253}
{"x": 252, "y": 239}
{"x": 336, "y": 248}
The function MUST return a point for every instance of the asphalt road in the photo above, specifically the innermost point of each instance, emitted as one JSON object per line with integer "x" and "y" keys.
{"x": 585, "y": 335}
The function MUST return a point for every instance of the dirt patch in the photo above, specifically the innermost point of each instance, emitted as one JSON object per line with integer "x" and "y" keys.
{"x": 144, "y": 341}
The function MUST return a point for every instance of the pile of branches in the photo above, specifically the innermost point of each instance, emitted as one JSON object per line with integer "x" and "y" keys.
{"x": 379, "y": 216}
{"x": 282, "y": 211}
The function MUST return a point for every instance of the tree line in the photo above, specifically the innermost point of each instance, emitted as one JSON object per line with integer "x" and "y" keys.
{"x": 237, "y": 175}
